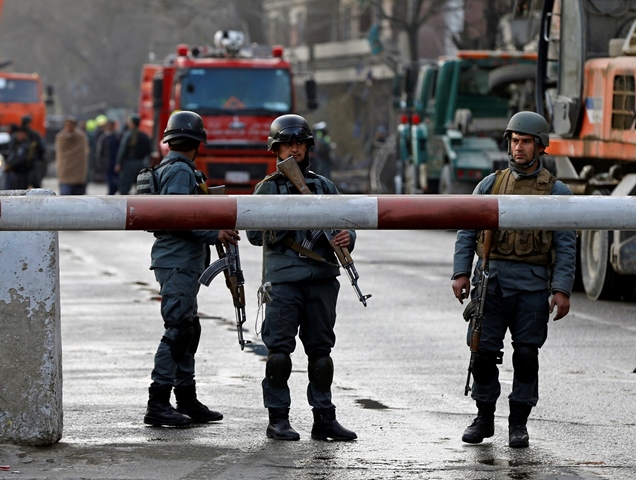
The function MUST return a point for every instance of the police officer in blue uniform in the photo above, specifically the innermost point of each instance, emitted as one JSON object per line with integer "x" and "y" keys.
{"x": 531, "y": 275}
{"x": 132, "y": 155}
{"x": 178, "y": 259}
{"x": 302, "y": 270}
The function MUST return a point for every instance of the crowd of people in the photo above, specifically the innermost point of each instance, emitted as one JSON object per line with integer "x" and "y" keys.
{"x": 83, "y": 151}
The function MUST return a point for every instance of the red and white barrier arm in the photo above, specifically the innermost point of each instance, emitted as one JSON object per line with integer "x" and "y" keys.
{"x": 296, "y": 212}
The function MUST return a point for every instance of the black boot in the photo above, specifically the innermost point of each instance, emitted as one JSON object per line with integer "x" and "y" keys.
{"x": 160, "y": 412}
{"x": 483, "y": 426}
{"x": 279, "y": 427}
{"x": 326, "y": 426}
{"x": 188, "y": 404}
{"x": 517, "y": 431}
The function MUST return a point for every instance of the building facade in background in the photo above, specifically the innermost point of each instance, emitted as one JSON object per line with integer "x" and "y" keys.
{"x": 354, "y": 53}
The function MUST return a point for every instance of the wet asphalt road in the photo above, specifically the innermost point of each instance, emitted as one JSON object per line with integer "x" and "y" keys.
{"x": 400, "y": 372}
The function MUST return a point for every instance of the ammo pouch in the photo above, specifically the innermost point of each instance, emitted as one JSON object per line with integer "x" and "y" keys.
{"x": 148, "y": 183}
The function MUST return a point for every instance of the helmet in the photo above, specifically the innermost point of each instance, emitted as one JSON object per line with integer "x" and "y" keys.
{"x": 529, "y": 123}
{"x": 185, "y": 124}
{"x": 286, "y": 127}
{"x": 101, "y": 120}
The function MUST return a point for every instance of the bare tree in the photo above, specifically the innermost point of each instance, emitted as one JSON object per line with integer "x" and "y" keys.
{"x": 410, "y": 15}
{"x": 92, "y": 52}
{"x": 492, "y": 12}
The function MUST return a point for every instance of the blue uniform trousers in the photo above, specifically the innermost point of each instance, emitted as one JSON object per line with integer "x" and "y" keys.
{"x": 179, "y": 289}
{"x": 309, "y": 311}
{"x": 526, "y": 315}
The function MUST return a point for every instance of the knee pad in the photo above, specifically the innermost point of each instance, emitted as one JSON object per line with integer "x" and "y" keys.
{"x": 320, "y": 372}
{"x": 525, "y": 361}
{"x": 181, "y": 342}
{"x": 278, "y": 369}
{"x": 485, "y": 367}
{"x": 196, "y": 336}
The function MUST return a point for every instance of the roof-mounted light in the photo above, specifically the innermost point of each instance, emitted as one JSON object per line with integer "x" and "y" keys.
{"x": 229, "y": 40}
{"x": 182, "y": 50}
{"x": 277, "y": 51}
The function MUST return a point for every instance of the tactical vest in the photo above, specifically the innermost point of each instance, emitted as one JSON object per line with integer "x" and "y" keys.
{"x": 528, "y": 246}
{"x": 285, "y": 187}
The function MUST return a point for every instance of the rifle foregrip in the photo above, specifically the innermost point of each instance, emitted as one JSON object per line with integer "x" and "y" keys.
{"x": 474, "y": 340}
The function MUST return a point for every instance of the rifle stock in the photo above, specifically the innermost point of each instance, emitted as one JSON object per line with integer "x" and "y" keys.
{"x": 290, "y": 169}
{"x": 477, "y": 316}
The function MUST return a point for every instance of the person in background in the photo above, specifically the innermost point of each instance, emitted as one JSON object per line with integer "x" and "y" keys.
{"x": 106, "y": 154}
{"x": 71, "y": 158}
{"x": 321, "y": 154}
{"x": 133, "y": 154}
{"x": 20, "y": 160}
{"x": 37, "y": 173}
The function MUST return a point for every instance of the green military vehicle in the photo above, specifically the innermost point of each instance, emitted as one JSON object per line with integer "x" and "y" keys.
{"x": 452, "y": 136}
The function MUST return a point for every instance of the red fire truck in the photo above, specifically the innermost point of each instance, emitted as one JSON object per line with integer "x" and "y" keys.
{"x": 237, "y": 92}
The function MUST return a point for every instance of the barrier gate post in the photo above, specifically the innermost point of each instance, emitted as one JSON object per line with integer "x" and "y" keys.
{"x": 30, "y": 337}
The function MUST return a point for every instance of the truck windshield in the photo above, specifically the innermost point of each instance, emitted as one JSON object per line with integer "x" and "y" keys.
{"x": 232, "y": 90}
{"x": 19, "y": 91}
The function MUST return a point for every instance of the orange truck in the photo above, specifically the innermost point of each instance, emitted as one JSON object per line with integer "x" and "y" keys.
{"x": 22, "y": 94}
{"x": 586, "y": 89}
{"x": 237, "y": 92}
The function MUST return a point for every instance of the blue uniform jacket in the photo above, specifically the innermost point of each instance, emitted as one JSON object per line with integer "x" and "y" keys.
{"x": 281, "y": 263}
{"x": 188, "y": 250}
{"x": 515, "y": 276}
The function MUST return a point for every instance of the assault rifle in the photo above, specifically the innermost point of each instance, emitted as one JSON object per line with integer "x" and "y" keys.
{"x": 229, "y": 263}
{"x": 476, "y": 316}
{"x": 290, "y": 169}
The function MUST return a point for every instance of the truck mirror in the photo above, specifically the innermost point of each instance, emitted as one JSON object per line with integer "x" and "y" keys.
{"x": 48, "y": 100}
{"x": 157, "y": 90}
{"x": 310, "y": 92}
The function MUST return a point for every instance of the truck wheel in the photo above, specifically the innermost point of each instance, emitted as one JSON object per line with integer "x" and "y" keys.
{"x": 500, "y": 78}
{"x": 599, "y": 278}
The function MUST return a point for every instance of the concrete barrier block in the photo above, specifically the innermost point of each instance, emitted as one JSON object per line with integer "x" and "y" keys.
{"x": 30, "y": 336}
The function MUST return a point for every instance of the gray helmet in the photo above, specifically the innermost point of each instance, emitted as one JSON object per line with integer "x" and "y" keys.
{"x": 185, "y": 124}
{"x": 287, "y": 127}
{"x": 529, "y": 123}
